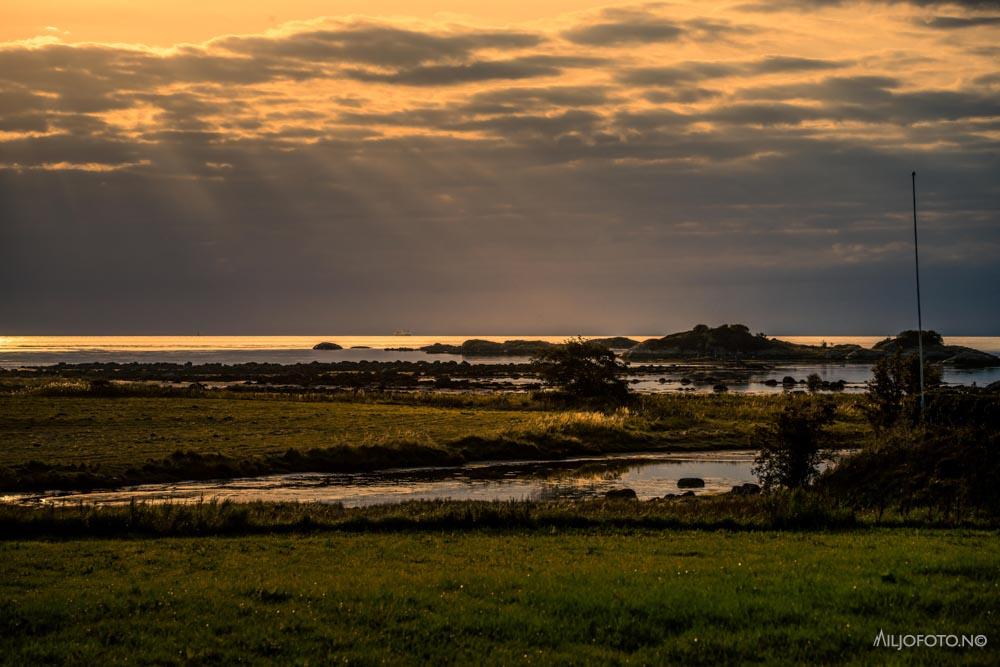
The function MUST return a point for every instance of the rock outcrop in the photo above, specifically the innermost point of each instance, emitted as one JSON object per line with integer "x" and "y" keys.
{"x": 486, "y": 348}
{"x": 907, "y": 342}
{"x": 615, "y": 343}
{"x": 735, "y": 342}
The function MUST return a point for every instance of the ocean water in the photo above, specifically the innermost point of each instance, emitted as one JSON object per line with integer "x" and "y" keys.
{"x": 45, "y": 350}
{"x": 17, "y": 351}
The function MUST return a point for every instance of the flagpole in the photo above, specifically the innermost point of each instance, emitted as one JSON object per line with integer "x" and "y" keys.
{"x": 916, "y": 263}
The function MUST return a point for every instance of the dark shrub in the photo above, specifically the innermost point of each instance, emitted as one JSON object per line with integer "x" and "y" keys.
{"x": 584, "y": 370}
{"x": 953, "y": 470}
{"x": 893, "y": 389}
{"x": 790, "y": 448}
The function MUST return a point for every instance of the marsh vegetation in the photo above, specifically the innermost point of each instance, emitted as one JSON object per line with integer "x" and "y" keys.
{"x": 71, "y": 438}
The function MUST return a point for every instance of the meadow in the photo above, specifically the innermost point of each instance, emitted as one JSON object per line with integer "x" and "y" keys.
{"x": 552, "y": 596}
{"x": 778, "y": 578}
{"x": 71, "y": 439}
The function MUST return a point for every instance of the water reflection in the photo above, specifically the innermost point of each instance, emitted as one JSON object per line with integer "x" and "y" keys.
{"x": 650, "y": 475}
{"x": 756, "y": 381}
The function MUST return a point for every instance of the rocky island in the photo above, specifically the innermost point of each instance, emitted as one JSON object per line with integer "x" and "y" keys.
{"x": 736, "y": 342}
{"x": 725, "y": 343}
{"x": 486, "y": 348}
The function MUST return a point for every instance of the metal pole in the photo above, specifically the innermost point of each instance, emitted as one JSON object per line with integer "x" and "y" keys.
{"x": 916, "y": 263}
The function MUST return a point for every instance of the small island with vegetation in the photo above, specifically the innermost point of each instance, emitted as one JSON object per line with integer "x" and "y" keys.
{"x": 732, "y": 342}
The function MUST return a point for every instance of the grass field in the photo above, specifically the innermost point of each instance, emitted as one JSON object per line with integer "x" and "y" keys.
{"x": 115, "y": 433}
{"x": 775, "y": 579}
{"x": 540, "y": 597}
{"x": 111, "y": 437}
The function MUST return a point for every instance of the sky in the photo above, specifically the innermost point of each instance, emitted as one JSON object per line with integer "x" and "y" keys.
{"x": 550, "y": 167}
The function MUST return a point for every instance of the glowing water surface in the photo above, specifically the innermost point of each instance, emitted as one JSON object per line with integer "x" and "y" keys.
{"x": 16, "y": 351}
{"x": 648, "y": 474}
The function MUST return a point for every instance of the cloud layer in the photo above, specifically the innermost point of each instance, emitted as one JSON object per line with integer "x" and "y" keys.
{"x": 620, "y": 169}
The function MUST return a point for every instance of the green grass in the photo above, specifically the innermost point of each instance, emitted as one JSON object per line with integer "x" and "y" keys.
{"x": 80, "y": 441}
{"x": 114, "y": 433}
{"x": 793, "y": 511}
{"x": 605, "y": 596}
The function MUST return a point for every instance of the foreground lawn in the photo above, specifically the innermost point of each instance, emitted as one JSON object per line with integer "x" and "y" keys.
{"x": 79, "y": 441}
{"x": 607, "y": 596}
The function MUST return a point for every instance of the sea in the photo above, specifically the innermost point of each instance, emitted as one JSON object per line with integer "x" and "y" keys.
{"x": 25, "y": 351}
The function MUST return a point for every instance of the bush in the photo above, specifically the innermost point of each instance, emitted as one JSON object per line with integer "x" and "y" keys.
{"x": 953, "y": 470}
{"x": 584, "y": 370}
{"x": 790, "y": 447}
{"x": 950, "y": 462}
{"x": 894, "y": 387}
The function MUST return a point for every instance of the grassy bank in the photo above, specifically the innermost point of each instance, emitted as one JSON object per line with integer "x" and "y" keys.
{"x": 80, "y": 441}
{"x": 800, "y": 510}
{"x": 604, "y": 596}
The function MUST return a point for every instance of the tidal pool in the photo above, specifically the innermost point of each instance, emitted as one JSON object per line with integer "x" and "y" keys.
{"x": 648, "y": 474}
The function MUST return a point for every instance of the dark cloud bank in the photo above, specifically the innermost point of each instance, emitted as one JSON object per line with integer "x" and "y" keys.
{"x": 536, "y": 205}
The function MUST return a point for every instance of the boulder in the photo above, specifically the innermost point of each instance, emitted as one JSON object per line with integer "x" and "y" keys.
{"x": 326, "y": 345}
{"x": 788, "y": 380}
{"x": 621, "y": 494}
{"x": 690, "y": 483}
{"x": 720, "y": 388}
{"x": 748, "y": 489}
{"x": 771, "y": 382}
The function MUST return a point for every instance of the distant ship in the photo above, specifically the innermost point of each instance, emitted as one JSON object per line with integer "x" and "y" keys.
{"x": 402, "y": 332}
